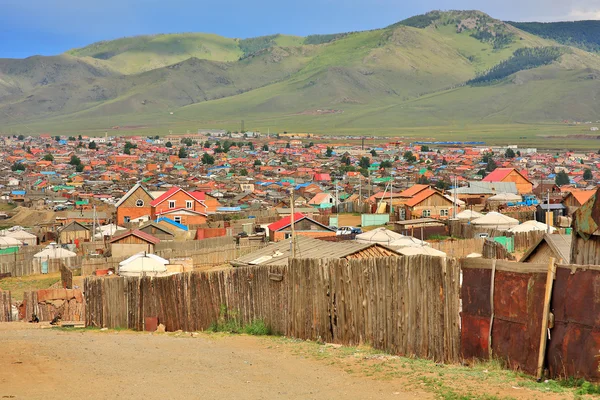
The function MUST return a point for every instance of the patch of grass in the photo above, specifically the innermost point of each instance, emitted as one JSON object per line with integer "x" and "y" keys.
{"x": 229, "y": 321}
{"x": 21, "y": 284}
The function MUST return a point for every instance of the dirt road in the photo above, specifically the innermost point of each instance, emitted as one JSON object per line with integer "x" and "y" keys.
{"x": 55, "y": 364}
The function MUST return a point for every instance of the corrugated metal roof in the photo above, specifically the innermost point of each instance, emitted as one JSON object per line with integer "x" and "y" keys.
{"x": 476, "y": 187}
{"x": 279, "y": 252}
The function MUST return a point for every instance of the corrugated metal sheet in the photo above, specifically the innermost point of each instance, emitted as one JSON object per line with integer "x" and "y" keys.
{"x": 279, "y": 252}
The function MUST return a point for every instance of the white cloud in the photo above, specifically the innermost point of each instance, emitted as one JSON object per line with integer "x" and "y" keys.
{"x": 584, "y": 14}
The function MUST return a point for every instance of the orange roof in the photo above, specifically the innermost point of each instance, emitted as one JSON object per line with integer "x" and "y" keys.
{"x": 413, "y": 190}
{"x": 420, "y": 197}
{"x": 582, "y": 195}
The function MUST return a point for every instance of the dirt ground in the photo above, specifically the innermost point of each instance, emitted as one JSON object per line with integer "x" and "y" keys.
{"x": 37, "y": 363}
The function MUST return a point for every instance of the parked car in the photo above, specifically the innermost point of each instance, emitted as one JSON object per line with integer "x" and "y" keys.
{"x": 347, "y": 230}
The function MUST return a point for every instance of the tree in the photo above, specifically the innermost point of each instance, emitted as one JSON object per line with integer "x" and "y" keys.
{"x": 587, "y": 174}
{"x": 287, "y": 145}
{"x": 328, "y": 152}
{"x": 79, "y": 137}
{"x": 182, "y": 153}
{"x": 482, "y": 173}
{"x": 409, "y": 156}
{"x": 72, "y": 138}
{"x": 265, "y": 147}
{"x": 206, "y": 145}
{"x": 257, "y": 163}
{"x": 169, "y": 145}
{"x": 244, "y": 172}
{"x": 425, "y": 148}
{"x": 345, "y": 160}
{"x": 443, "y": 185}
{"x": 48, "y": 157}
{"x": 386, "y": 164}
{"x": 21, "y": 137}
{"x": 562, "y": 178}
{"x": 79, "y": 168}
{"x": 93, "y": 146}
{"x": 207, "y": 159}
{"x": 109, "y": 144}
{"x": 156, "y": 137}
{"x": 74, "y": 160}
{"x": 18, "y": 167}
{"x": 373, "y": 153}
{"x": 491, "y": 165}
{"x": 423, "y": 180}
{"x": 509, "y": 153}
{"x": 518, "y": 153}
{"x": 364, "y": 162}
{"x": 57, "y": 138}
{"x": 251, "y": 146}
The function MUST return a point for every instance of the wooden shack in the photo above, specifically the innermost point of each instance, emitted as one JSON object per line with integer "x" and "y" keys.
{"x": 133, "y": 242}
{"x": 585, "y": 245}
{"x": 74, "y": 231}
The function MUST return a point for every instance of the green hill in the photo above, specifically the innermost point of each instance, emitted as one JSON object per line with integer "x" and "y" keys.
{"x": 582, "y": 34}
{"x": 440, "y": 69}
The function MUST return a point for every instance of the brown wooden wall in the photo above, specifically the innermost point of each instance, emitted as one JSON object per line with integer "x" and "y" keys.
{"x": 403, "y": 305}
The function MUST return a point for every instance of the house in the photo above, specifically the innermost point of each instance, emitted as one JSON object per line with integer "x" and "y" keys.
{"x": 134, "y": 204}
{"x": 428, "y": 203}
{"x": 158, "y": 231}
{"x": 132, "y": 242}
{"x": 549, "y": 246}
{"x": 322, "y": 200}
{"x": 303, "y": 226}
{"x": 180, "y": 206}
{"x": 524, "y": 185}
{"x": 557, "y": 210}
{"x": 307, "y": 247}
{"x": 74, "y": 232}
{"x": 18, "y": 196}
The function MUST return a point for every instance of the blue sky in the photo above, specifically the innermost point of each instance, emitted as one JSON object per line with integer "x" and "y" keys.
{"x": 47, "y": 27}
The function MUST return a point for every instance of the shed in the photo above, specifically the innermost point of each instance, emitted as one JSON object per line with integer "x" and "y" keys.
{"x": 156, "y": 230}
{"x": 133, "y": 242}
{"x": 556, "y": 246}
{"x": 74, "y": 231}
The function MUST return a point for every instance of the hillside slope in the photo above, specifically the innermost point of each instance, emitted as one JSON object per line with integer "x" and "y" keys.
{"x": 418, "y": 72}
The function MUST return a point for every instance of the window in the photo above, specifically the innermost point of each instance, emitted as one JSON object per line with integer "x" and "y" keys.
{"x": 171, "y": 203}
{"x": 426, "y": 213}
{"x": 443, "y": 213}
{"x": 287, "y": 236}
{"x": 177, "y": 219}
{"x": 189, "y": 204}
{"x": 402, "y": 214}
{"x": 126, "y": 219}
{"x": 139, "y": 203}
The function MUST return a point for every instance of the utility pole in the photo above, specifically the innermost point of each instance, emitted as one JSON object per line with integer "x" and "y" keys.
{"x": 293, "y": 220}
{"x": 548, "y": 213}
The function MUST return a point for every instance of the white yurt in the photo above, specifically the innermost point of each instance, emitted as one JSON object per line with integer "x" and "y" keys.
{"x": 408, "y": 241}
{"x": 143, "y": 264}
{"x": 529, "y": 226}
{"x": 495, "y": 220}
{"x": 7, "y": 242}
{"x": 428, "y": 251}
{"x": 505, "y": 197}
{"x": 468, "y": 215}
{"x": 378, "y": 235}
{"x": 44, "y": 260}
{"x": 25, "y": 237}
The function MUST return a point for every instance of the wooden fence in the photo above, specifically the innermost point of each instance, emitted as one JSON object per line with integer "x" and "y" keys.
{"x": 403, "y": 305}
{"x": 458, "y": 248}
{"x": 522, "y": 240}
{"x": 5, "y": 306}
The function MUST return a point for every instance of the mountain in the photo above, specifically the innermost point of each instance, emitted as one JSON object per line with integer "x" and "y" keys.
{"x": 436, "y": 69}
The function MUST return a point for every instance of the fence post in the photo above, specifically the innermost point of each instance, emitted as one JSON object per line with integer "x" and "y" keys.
{"x": 544, "y": 335}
